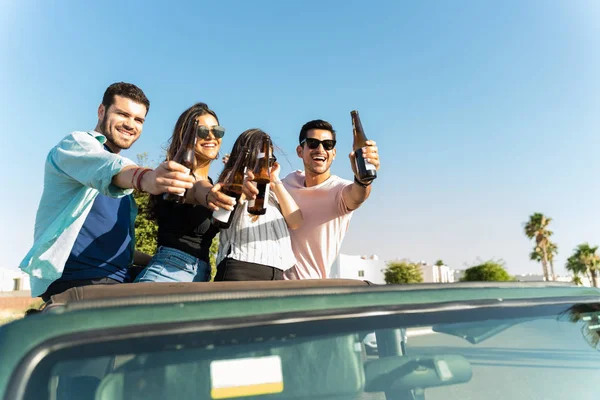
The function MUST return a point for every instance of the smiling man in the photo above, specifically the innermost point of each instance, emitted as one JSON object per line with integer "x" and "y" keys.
{"x": 84, "y": 228}
{"x": 327, "y": 201}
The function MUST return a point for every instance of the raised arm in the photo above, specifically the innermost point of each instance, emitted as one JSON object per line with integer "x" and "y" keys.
{"x": 289, "y": 209}
{"x": 356, "y": 194}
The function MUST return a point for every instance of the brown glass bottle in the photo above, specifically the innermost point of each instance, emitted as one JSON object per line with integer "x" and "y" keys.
{"x": 262, "y": 177}
{"x": 186, "y": 156}
{"x": 366, "y": 171}
{"x": 232, "y": 187}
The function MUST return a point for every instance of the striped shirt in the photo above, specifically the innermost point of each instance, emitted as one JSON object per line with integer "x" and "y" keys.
{"x": 265, "y": 241}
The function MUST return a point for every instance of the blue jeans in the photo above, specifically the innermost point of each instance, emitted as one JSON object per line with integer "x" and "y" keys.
{"x": 172, "y": 265}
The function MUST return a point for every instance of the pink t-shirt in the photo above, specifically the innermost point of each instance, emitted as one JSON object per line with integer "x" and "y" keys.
{"x": 317, "y": 242}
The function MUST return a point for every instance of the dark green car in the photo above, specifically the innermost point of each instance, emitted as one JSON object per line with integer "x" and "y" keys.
{"x": 307, "y": 340}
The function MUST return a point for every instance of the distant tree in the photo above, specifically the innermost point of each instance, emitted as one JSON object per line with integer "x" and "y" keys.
{"x": 537, "y": 255}
{"x": 487, "y": 271}
{"x": 585, "y": 261}
{"x": 145, "y": 229}
{"x": 214, "y": 249}
{"x": 537, "y": 228}
{"x": 403, "y": 272}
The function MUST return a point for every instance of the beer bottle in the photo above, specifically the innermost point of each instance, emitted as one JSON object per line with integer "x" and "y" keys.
{"x": 232, "y": 187}
{"x": 186, "y": 156}
{"x": 366, "y": 171}
{"x": 262, "y": 177}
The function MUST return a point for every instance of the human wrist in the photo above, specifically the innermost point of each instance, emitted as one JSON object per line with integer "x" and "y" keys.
{"x": 135, "y": 172}
{"x": 362, "y": 184}
{"x": 140, "y": 179}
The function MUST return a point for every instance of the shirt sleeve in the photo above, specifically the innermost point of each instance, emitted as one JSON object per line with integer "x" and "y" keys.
{"x": 84, "y": 159}
{"x": 342, "y": 208}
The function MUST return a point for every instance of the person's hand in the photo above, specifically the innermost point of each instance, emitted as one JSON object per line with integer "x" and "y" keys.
{"x": 215, "y": 199}
{"x": 168, "y": 177}
{"x": 275, "y": 170}
{"x": 370, "y": 154}
{"x": 249, "y": 189}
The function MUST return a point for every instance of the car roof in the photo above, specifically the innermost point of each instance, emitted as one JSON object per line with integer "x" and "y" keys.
{"x": 84, "y": 311}
{"x": 154, "y": 293}
{"x": 127, "y": 290}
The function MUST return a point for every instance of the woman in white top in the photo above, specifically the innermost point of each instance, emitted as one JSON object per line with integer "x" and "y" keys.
{"x": 258, "y": 247}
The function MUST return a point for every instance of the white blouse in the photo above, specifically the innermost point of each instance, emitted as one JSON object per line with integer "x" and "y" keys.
{"x": 265, "y": 241}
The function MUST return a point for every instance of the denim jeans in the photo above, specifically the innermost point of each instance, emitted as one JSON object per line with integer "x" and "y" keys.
{"x": 172, "y": 265}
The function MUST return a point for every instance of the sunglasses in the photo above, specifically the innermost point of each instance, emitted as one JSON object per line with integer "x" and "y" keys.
{"x": 328, "y": 144}
{"x": 272, "y": 160}
{"x": 202, "y": 131}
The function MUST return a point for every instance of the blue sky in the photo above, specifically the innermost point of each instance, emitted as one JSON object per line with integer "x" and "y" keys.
{"x": 484, "y": 111}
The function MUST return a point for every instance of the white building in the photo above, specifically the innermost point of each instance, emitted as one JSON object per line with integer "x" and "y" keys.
{"x": 368, "y": 268}
{"x": 371, "y": 268}
{"x": 435, "y": 274}
{"x": 13, "y": 280}
{"x": 458, "y": 274}
{"x": 529, "y": 278}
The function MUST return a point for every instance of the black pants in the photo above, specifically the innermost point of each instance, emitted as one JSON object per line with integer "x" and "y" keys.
{"x": 234, "y": 270}
{"x": 60, "y": 286}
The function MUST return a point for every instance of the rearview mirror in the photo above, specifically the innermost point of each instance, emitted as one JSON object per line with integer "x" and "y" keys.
{"x": 403, "y": 373}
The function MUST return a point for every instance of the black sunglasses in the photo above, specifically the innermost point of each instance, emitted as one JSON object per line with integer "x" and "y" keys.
{"x": 328, "y": 144}
{"x": 202, "y": 131}
{"x": 272, "y": 160}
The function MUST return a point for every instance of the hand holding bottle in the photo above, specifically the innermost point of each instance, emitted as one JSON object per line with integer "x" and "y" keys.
{"x": 370, "y": 154}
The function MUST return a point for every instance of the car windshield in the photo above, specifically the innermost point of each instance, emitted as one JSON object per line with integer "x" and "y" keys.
{"x": 523, "y": 351}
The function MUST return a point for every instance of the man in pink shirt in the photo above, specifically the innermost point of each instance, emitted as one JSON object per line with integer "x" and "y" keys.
{"x": 327, "y": 201}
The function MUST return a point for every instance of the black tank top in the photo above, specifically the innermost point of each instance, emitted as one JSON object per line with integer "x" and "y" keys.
{"x": 185, "y": 227}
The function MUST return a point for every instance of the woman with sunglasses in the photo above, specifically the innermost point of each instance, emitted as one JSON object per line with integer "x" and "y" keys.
{"x": 258, "y": 247}
{"x": 184, "y": 230}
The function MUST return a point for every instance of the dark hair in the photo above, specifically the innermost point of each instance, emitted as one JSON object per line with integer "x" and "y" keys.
{"x": 127, "y": 90}
{"x": 251, "y": 139}
{"x": 185, "y": 119}
{"x": 315, "y": 124}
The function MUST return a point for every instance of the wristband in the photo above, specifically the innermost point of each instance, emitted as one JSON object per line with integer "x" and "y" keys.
{"x": 139, "y": 179}
{"x": 359, "y": 183}
{"x": 133, "y": 177}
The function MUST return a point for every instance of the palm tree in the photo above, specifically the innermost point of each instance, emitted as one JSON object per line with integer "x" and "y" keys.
{"x": 585, "y": 261}
{"x": 552, "y": 251}
{"x": 536, "y": 255}
{"x": 537, "y": 228}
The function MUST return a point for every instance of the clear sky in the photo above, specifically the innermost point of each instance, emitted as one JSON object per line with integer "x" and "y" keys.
{"x": 484, "y": 111}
